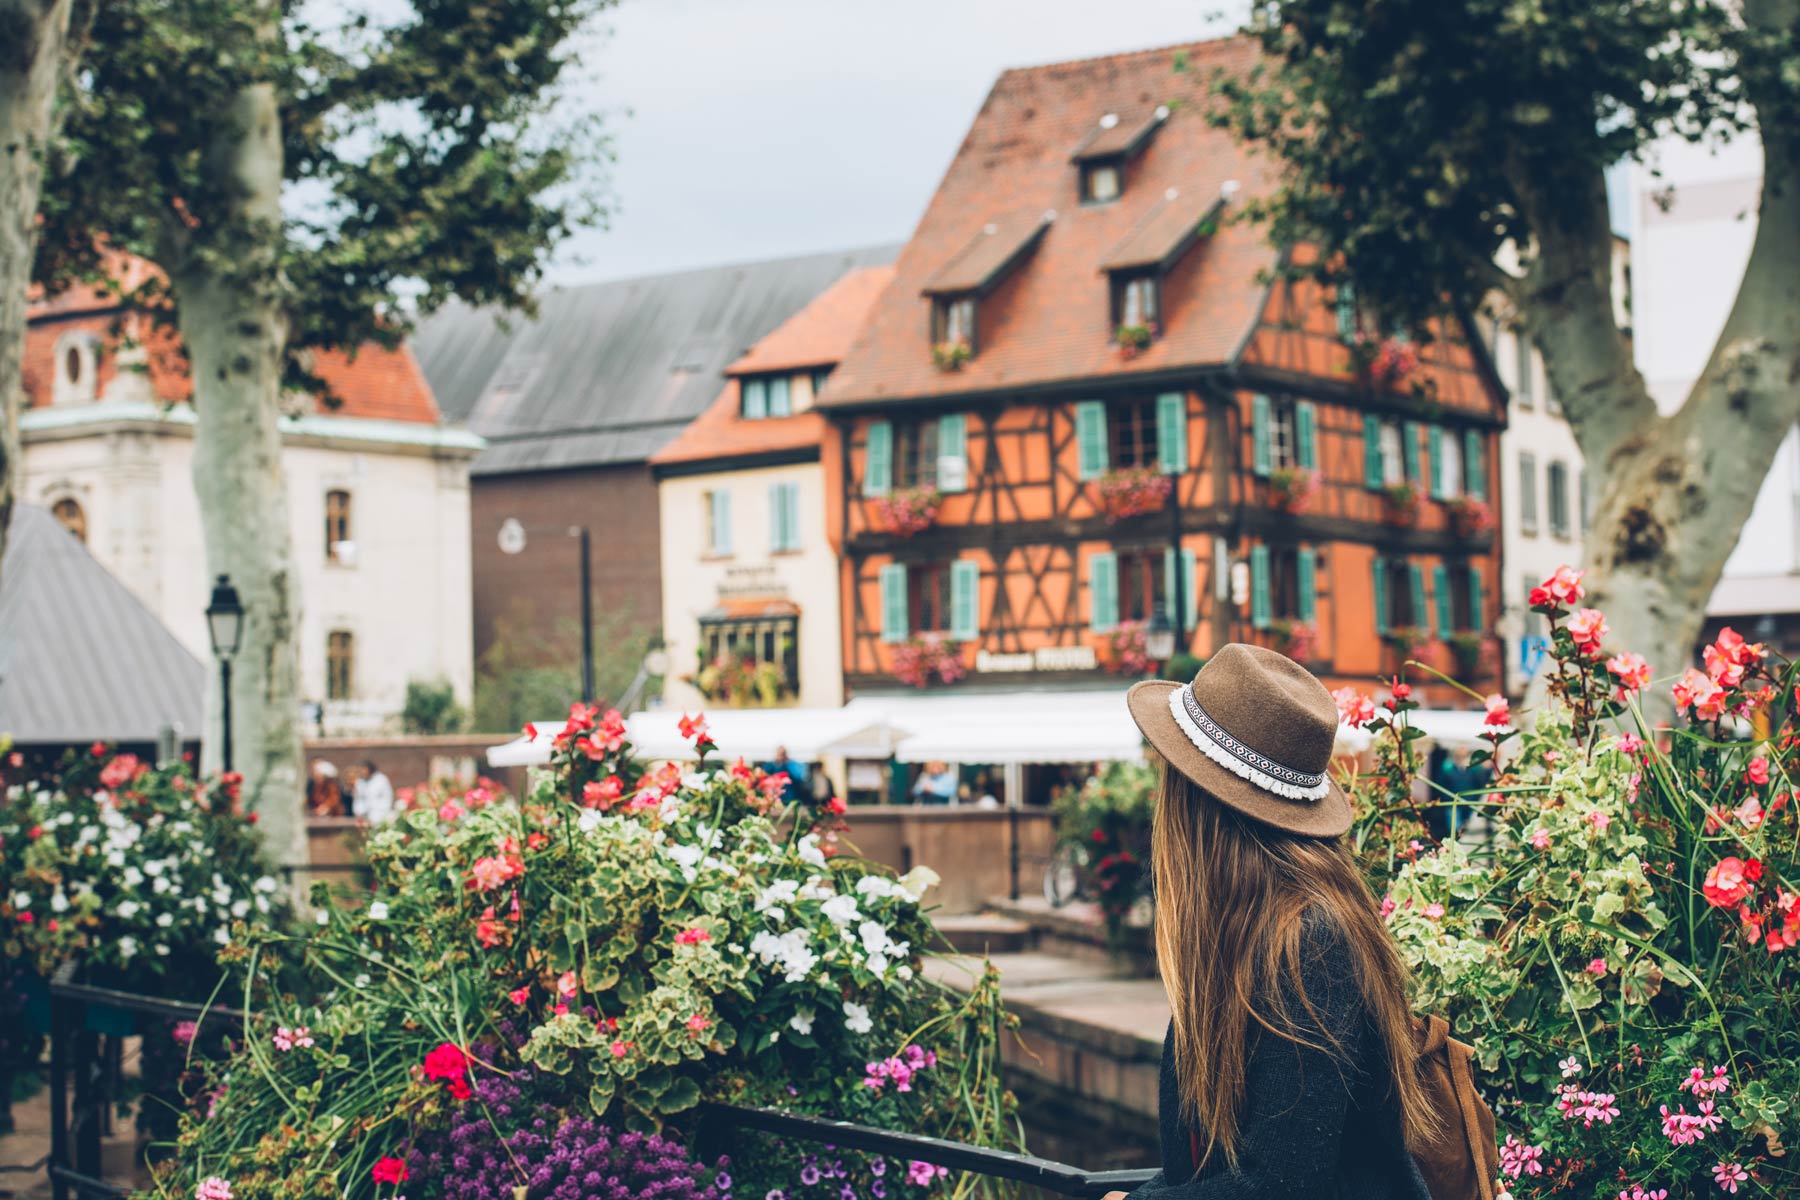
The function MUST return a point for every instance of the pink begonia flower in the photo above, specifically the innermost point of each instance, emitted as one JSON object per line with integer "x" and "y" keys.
{"x": 1354, "y": 708}
{"x": 692, "y": 936}
{"x": 1630, "y": 744}
{"x": 519, "y": 995}
{"x": 1706, "y": 697}
{"x": 1599, "y": 820}
{"x": 566, "y": 984}
{"x": 1631, "y": 670}
{"x": 1499, "y": 711}
{"x": 1637, "y": 1191}
{"x": 1750, "y": 812}
{"x": 1588, "y": 627}
{"x": 1540, "y": 839}
{"x": 1758, "y": 771}
{"x": 1564, "y": 586}
{"x": 1387, "y": 907}
{"x": 1728, "y": 1176}
{"x": 1597, "y": 968}
{"x": 213, "y": 1188}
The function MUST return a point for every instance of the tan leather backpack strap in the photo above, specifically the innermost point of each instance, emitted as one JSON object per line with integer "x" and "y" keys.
{"x": 1462, "y": 1074}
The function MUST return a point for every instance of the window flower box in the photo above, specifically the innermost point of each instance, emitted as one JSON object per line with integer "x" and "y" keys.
{"x": 1133, "y": 491}
{"x": 1296, "y": 639}
{"x": 1471, "y": 516}
{"x": 1408, "y": 640}
{"x": 908, "y": 511}
{"x": 1123, "y": 652}
{"x": 951, "y": 355}
{"x": 927, "y": 659}
{"x": 1133, "y": 340}
{"x": 1386, "y": 362}
{"x": 1400, "y": 502}
{"x": 1292, "y": 489}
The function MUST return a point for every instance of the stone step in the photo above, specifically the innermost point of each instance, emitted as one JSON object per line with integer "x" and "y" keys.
{"x": 985, "y": 933}
{"x": 1077, "y": 931}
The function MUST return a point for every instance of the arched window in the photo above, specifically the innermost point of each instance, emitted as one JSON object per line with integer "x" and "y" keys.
{"x": 340, "y": 663}
{"x": 339, "y": 548}
{"x": 68, "y": 511}
{"x": 77, "y": 376}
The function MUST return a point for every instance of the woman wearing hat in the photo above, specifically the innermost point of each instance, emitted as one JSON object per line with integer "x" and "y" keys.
{"x": 1289, "y": 1066}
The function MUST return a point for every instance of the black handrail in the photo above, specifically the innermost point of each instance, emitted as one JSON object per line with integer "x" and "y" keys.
{"x": 74, "y": 1165}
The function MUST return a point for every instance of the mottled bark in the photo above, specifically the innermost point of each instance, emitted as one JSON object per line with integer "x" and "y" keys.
{"x": 234, "y": 321}
{"x": 33, "y": 44}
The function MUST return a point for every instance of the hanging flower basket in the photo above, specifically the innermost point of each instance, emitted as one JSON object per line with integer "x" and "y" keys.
{"x": 927, "y": 659}
{"x": 1401, "y": 503}
{"x": 1292, "y": 489}
{"x": 908, "y": 511}
{"x": 1471, "y": 516}
{"x": 950, "y": 356}
{"x": 1296, "y": 639}
{"x": 1133, "y": 491}
{"x": 1132, "y": 340}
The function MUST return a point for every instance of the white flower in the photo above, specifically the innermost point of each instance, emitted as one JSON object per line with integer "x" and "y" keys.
{"x": 781, "y": 892}
{"x": 809, "y": 851}
{"x": 222, "y": 936}
{"x": 21, "y": 900}
{"x": 59, "y": 903}
{"x": 789, "y": 951}
{"x": 589, "y": 820}
{"x": 1571, "y": 1066}
{"x": 164, "y": 920}
{"x": 361, "y": 981}
{"x": 695, "y": 780}
{"x": 841, "y": 909}
{"x": 905, "y": 972}
{"x": 801, "y": 1022}
{"x": 132, "y": 877}
{"x": 378, "y": 911}
{"x": 918, "y": 881}
{"x": 322, "y": 917}
{"x": 162, "y": 950}
{"x": 265, "y": 884}
{"x": 128, "y": 946}
{"x": 816, "y": 889}
{"x": 686, "y": 857}
{"x": 880, "y": 887}
{"x": 856, "y": 1018}
{"x": 240, "y": 909}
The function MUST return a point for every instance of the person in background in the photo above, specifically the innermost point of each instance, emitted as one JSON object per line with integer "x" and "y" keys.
{"x": 785, "y": 764}
{"x": 374, "y": 797}
{"x": 324, "y": 798}
{"x": 1454, "y": 773}
{"x": 936, "y": 785}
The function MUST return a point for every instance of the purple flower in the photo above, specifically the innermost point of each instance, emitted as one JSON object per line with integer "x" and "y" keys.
{"x": 809, "y": 1175}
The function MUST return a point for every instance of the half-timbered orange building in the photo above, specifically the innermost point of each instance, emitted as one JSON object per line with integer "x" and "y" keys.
{"x": 1091, "y": 397}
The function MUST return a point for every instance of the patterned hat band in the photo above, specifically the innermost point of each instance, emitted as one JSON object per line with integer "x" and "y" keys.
{"x": 1213, "y": 740}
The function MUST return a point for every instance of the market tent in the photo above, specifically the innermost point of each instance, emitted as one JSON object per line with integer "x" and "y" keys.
{"x": 810, "y": 734}
{"x": 1009, "y": 727}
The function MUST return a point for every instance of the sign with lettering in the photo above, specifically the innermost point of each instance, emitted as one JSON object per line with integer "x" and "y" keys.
{"x": 757, "y": 580}
{"x": 1044, "y": 658}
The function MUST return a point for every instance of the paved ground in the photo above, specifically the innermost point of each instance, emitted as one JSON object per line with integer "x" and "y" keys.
{"x": 24, "y": 1151}
{"x": 1131, "y": 1013}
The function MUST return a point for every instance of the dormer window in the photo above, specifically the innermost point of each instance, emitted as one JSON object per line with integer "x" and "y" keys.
{"x": 1137, "y": 299}
{"x": 76, "y": 380}
{"x": 999, "y": 248}
{"x": 767, "y": 396}
{"x": 1102, "y": 181}
{"x": 953, "y": 321}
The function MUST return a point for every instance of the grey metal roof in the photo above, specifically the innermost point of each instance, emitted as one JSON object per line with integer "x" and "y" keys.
{"x": 80, "y": 658}
{"x": 611, "y": 372}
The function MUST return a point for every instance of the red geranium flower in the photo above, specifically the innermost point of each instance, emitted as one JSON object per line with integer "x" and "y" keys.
{"x": 389, "y": 1170}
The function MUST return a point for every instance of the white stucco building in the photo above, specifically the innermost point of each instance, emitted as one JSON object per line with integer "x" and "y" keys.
{"x": 750, "y": 579}
{"x": 378, "y": 498}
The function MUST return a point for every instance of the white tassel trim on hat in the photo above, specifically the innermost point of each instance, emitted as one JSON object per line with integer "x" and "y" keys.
{"x": 1210, "y": 747}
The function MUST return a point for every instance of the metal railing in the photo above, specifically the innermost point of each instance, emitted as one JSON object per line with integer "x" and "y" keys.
{"x": 78, "y": 1121}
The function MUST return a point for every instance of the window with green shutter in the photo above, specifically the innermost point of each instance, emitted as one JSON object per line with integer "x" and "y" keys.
{"x": 1171, "y": 432}
{"x": 965, "y": 592}
{"x": 1261, "y": 614}
{"x": 1379, "y": 577}
{"x": 1103, "y": 591}
{"x": 1374, "y": 469}
{"x": 893, "y": 602}
{"x": 1434, "y": 462}
{"x": 878, "y": 461}
{"x": 1446, "y": 603}
{"x": 1305, "y": 575}
{"x": 1416, "y": 593}
{"x": 1409, "y": 450}
{"x": 1474, "y": 464}
{"x": 1306, "y": 437}
{"x": 952, "y": 453}
{"x": 1190, "y": 595}
{"x": 1090, "y": 438}
{"x": 1477, "y": 601}
{"x": 1262, "y": 449}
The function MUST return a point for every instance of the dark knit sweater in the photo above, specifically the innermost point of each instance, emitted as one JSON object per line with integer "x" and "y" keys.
{"x": 1312, "y": 1124}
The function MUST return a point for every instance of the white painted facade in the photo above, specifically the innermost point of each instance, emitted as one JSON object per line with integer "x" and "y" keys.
{"x": 700, "y": 584}
{"x": 400, "y": 589}
{"x": 1692, "y": 230}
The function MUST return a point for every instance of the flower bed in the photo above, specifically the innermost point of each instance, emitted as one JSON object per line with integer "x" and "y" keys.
{"x": 1619, "y": 955}
{"x": 537, "y": 985}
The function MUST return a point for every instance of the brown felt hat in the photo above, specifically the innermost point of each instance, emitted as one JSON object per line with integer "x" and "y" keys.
{"x": 1255, "y": 729}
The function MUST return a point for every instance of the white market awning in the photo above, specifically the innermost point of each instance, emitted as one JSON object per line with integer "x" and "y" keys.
{"x": 1008, "y": 727}
{"x": 754, "y": 734}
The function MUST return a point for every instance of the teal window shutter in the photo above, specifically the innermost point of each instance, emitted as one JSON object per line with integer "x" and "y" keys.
{"x": 1381, "y": 596}
{"x": 953, "y": 453}
{"x": 1477, "y": 602}
{"x": 719, "y": 532}
{"x": 1260, "y": 607}
{"x": 965, "y": 585}
{"x": 1346, "y": 311}
{"x": 1434, "y": 462}
{"x": 1103, "y": 592}
{"x": 1446, "y": 608}
{"x": 1190, "y": 593}
{"x": 1263, "y": 454}
{"x": 1417, "y": 574}
{"x": 878, "y": 463}
{"x": 1306, "y": 438}
{"x": 893, "y": 602}
{"x": 1305, "y": 564}
{"x": 1374, "y": 470}
{"x": 1474, "y": 465}
{"x": 1090, "y": 438}
{"x": 1171, "y": 432}
{"x": 1409, "y": 447}
{"x": 784, "y": 516}
{"x": 756, "y": 399}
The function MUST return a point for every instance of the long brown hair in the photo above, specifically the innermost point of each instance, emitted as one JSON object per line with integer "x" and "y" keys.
{"x": 1230, "y": 896}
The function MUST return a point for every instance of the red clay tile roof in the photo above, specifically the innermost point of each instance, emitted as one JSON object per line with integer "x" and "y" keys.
{"x": 377, "y": 383}
{"x": 1051, "y": 320}
{"x": 1113, "y": 135}
{"x": 721, "y": 433}
{"x": 995, "y": 249}
{"x": 1166, "y": 230}
{"x": 820, "y": 334}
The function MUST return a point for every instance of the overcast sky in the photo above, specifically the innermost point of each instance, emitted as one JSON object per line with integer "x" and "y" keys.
{"x": 760, "y": 128}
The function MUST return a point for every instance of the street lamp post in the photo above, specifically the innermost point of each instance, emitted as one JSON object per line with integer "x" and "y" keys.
{"x": 1176, "y": 616}
{"x": 224, "y": 626}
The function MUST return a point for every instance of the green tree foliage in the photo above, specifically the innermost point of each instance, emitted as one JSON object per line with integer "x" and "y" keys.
{"x": 431, "y": 708}
{"x": 1454, "y": 155}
